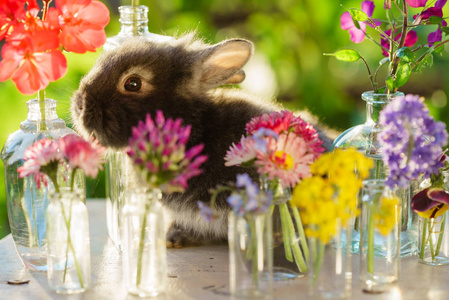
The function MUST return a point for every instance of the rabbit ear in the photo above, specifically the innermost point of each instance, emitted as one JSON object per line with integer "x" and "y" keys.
{"x": 223, "y": 63}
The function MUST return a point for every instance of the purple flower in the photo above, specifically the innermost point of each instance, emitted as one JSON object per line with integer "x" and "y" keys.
{"x": 411, "y": 140}
{"x": 206, "y": 211}
{"x": 248, "y": 198}
{"x": 158, "y": 150}
{"x": 347, "y": 23}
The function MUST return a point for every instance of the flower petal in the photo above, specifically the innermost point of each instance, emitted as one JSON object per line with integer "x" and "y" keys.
{"x": 7, "y": 68}
{"x": 357, "y": 35}
{"x": 80, "y": 40}
{"x": 346, "y": 21}
{"x": 368, "y": 7}
{"x": 417, "y": 3}
{"x": 96, "y": 13}
{"x": 438, "y": 195}
{"x": 421, "y": 202}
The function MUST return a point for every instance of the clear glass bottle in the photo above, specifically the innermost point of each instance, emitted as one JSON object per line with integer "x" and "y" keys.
{"x": 289, "y": 261}
{"x": 379, "y": 219}
{"x": 143, "y": 243}
{"x": 250, "y": 255}
{"x": 26, "y": 203}
{"x": 364, "y": 138}
{"x": 134, "y": 23}
{"x": 68, "y": 242}
{"x": 433, "y": 248}
{"x": 330, "y": 271}
{"x": 119, "y": 175}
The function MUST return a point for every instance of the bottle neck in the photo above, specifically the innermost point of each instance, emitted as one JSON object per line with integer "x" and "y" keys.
{"x": 375, "y": 103}
{"x": 34, "y": 110}
{"x": 134, "y": 20}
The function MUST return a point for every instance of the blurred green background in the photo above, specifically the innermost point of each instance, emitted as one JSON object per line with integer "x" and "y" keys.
{"x": 290, "y": 37}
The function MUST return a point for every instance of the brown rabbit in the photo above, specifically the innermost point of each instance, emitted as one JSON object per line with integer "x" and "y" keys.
{"x": 179, "y": 77}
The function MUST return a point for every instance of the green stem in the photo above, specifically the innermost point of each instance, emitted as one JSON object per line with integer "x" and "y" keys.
{"x": 370, "y": 251}
{"x": 294, "y": 246}
{"x": 432, "y": 250}
{"x": 72, "y": 179}
{"x": 285, "y": 232}
{"x": 69, "y": 244}
{"x": 302, "y": 235}
{"x": 135, "y": 4}
{"x": 423, "y": 239}
{"x": 141, "y": 245}
{"x": 440, "y": 235}
{"x": 41, "y": 97}
{"x": 253, "y": 250}
{"x": 318, "y": 260}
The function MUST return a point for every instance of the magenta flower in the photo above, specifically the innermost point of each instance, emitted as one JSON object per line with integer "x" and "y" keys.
{"x": 417, "y": 3}
{"x": 158, "y": 149}
{"x": 42, "y": 158}
{"x": 81, "y": 154}
{"x": 410, "y": 39}
{"x": 437, "y": 10}
{"x": 347, "y": 23}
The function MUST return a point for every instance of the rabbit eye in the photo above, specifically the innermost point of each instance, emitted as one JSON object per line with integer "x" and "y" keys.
{"x": 133, "y": 84}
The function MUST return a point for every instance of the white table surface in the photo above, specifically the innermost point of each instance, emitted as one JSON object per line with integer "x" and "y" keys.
{"x": 196, "y": 273}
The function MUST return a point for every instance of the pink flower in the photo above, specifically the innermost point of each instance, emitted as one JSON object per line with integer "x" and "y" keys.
{"x": 437, "y": 10}
{"x": 81, "y": 154}
{"x": 285, "y": 121}
{"x": 40, "y": 159}
{"x": 410, "y": 39}
{"x": 417, "y": 3}
{"x": 83, "y": 23}
{"x": 347, "y": 23}
{"x": 244, "y": 151}
{"x": 288, "y": 159}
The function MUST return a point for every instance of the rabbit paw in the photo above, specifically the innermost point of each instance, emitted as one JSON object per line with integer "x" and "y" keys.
{"x": 179, "y": 237}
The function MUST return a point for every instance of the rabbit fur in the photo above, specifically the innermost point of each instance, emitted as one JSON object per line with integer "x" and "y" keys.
{"x": 182, "y": 78}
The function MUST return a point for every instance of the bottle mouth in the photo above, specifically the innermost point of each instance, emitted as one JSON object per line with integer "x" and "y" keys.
{"x": 379, "y": 98}
{"x": 131, "y": 14}
{"x": 34, "y": 104}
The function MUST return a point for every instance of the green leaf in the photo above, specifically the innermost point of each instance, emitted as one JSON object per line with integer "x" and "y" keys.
{"x": 434, "y": 20}
{"x": 405, "y": 54}
{"x": 402, "y": 75}
{"x": 389, "y": 82}
{"x": 426, "y": 62}
{"x": 358, "y": 15}
{"x": 438, "y": 50}
{"x": 382, "y": 90}
{"x": 348, "y": 55}
{"x": 445, "y": 29}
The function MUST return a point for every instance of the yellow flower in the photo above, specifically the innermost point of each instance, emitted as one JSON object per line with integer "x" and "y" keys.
{"x": 331, "y": 193}
{"x": 387, "y": 214}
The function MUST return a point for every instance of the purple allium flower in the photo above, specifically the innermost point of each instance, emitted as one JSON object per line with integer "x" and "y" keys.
{"x": 158, "y": 149}
{"x": 411, "y": 140}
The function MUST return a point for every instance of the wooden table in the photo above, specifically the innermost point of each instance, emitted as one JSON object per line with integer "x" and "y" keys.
{"x": 196, "y": 273}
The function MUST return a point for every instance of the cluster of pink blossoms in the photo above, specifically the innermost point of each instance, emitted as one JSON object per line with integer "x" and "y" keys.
{"x": 32, "y": 54}
{"x": 158, "y": 149}
{"x": 43, "y": 158}
{"x": 282, "y": 146}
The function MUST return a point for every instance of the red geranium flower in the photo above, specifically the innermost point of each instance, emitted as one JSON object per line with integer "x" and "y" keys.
{"x": 82, "y": 23}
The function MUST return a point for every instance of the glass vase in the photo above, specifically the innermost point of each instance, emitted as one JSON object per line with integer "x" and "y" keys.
{"x": 134, "y": 23}
{"x": 68, "y": 254}
{"x": 26, "y": 202}
{"x": 250, "y": 255}
{"x": 364, "y": 138}
{"x": 290, "y": 250}
{"x": 379, "y": 219}
{"x": 143, "y": 243}
{"x": 330, "y": 271}
{"x": 434, "y": 240}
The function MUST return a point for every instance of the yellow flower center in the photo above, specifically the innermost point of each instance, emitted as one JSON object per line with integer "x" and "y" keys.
{"x": 283, "y": 160}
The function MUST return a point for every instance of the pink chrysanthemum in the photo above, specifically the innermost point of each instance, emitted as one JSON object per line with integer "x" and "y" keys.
{"x": 244, "y": 151}
{"x": 40, "y": 159}
{"x": 285, "y": 121}
{"x": 81, "y": 154}
{"x": 158, "y": 149}
{"x": 287, "y": 159}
